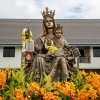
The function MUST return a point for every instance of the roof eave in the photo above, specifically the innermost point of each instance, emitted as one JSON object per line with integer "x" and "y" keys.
{"x": 93, "y": 45}
{"x": 10, "y": 45}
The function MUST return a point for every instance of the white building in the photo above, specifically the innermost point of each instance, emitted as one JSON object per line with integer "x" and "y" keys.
{"x": 83, "y": 33}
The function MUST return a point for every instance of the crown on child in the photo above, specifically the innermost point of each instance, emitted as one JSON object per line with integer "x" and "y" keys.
{"x": 48, "y": 13}
{"x": 58, "y": 26}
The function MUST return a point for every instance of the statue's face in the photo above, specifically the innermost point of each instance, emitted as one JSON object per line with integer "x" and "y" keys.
{"x": 49, "y": 22}
{"x": 58, "y": 33}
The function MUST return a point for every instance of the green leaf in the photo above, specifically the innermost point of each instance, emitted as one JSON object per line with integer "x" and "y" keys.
{"x": 64, "y": 97}
{"x": 47, "y": 83}
{"x": 2, "y": 93}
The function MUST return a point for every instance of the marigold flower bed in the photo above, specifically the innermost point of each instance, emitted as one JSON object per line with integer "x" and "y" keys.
{"x": 15, "y": 86}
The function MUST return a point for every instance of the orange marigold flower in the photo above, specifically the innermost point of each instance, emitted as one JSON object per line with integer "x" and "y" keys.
{"x": 2, "y": 98}
{"x": 19, "y": 94}
{"x": 3, "y": 78}
{"x": 83, "y": 73}
{"x": 42, "y": 91}
{"x": 3, "y": 87}
{"x": 50, "y": 96}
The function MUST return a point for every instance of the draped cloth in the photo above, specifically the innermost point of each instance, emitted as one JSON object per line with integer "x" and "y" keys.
{"x": 60, "y": 64}
{"x": 39, "y": 61}
{"x": 41, "y": 65}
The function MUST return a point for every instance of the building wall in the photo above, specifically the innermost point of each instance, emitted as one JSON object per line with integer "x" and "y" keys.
{"x": 94, "y": 63}
{"x": 15, "y": 62}
{"x": 11, "y": 62}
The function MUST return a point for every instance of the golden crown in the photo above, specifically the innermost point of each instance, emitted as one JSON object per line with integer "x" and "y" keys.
{"x": 47, "y": 13}
{"x": 58, "y": 26}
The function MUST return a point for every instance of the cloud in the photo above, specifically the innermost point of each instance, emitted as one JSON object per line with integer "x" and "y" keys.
{"x": 19, "y": 9}
{"x": 91, "y": 9}
{"x": 65, "y": 9}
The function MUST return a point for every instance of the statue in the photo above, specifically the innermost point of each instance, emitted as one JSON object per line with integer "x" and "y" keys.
{"x": 27, "y": 46}
{"x": 41, "y": 43}
{"x": 52, "y": 54}
{"x": 60, "y": 63}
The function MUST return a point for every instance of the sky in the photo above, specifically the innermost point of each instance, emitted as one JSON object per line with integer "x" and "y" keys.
{"x": 64, "y": 9}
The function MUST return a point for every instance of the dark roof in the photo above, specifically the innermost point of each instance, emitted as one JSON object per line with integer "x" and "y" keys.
{"x": 76, "y": 31}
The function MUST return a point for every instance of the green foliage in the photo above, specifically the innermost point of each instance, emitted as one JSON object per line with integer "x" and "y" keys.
{"x": 47, "y": 83}
{"x": 17, "y": 80}
{"x": 78, "y": 80}
{"x": 19, "y": 76}
{"x": 34, "y": 97}
{"x": 31, "y": 77}
{"x": 2, "y": 92}
{"x": 10, "y": 93}
{"x": 24, "y": 65}
{"x": 64, "y": 97}
{"x": 9, "y": 89}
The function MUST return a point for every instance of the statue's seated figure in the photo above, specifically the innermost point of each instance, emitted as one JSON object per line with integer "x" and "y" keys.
{"x": 40, "y": 47}
{"x": 52, "y": 52}
{"x": 64, "y": 56}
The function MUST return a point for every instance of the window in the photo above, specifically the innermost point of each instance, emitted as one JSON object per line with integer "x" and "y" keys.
{"x": 9, "y": 52}
{"x": 96, "y": 51}
{"x": 85, "y": 55}
{"x": 82, "y": 53}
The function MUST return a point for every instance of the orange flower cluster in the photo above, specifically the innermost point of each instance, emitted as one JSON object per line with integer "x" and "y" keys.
{"x": 87, "y": 93}
{"x": 67, "y": 88}
{"x": 3, "y": 79}
{"x": 89, "y": 88}
{"x": 94, "y": 80}
{"x": 83, "y": 73}
{"x": 34, "y": 87}
{"x": 19, "y": 94}
{"x": 38, "y": 91}
{"x": 2, "y": 98}
{"x": 42, "y": 92}
{"x": 50, "y": 96}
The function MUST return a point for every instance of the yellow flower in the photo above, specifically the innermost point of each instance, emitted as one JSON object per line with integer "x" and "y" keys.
{"x": 30, "y": 36}
{"x": 53, "y": 49}
{"x": 23, "y": 36}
